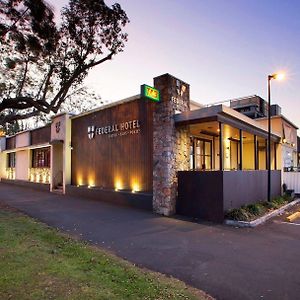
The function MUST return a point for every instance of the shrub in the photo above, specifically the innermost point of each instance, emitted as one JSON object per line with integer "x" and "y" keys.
{"x": 268, "y": 205}
{"x": 238, "y": 214}
{"x": 287, "y": 198}
{"x": 254, "y": 209}
{"x": 251, "y": 211}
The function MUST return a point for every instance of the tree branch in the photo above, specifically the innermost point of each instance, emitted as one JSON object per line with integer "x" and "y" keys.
{"x": 4, "y": 32}
{"x": 22, "y": 83}
{"x": 14, "y": 117}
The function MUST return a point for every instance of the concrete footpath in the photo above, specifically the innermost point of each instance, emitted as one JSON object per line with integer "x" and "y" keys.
{"x": 228, "y": 263}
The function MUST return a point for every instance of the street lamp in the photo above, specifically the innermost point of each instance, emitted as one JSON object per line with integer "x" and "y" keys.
{"x": 276, "y": 76}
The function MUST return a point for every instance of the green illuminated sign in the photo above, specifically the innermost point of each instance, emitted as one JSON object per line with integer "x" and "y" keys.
{"x": 150, "y": 92}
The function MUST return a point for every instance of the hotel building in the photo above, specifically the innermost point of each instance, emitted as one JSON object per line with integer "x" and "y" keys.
{"x": 172, "y": 155}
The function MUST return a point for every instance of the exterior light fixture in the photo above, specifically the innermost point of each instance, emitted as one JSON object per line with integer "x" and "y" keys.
{"x": 279, "y": 76}
{"x": 276, "y": 76}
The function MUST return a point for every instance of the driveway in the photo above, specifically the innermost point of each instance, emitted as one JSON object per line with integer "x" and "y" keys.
{"x": 226, "y": 262}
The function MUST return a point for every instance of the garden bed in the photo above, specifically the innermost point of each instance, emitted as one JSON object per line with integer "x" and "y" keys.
{"x": 254, "y": 214}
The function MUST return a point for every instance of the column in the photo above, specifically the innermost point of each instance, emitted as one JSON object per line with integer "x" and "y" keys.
{"x": 241, "y": 149}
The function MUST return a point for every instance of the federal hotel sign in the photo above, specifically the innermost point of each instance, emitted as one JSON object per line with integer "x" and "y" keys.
{"x": 115, "y": 130}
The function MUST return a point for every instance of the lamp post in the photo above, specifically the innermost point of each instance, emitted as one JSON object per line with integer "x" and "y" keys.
{"x": 278, "y": 76}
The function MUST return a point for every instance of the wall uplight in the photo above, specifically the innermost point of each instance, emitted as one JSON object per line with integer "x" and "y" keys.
{"x": 79, "y": 180}
{"x": 135, "y": 186}
{"x": 118, "y": 185}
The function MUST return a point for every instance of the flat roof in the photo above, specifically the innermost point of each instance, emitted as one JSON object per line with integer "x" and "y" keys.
{"x": 225, "y": 114}
{"x": 112, "y": 104}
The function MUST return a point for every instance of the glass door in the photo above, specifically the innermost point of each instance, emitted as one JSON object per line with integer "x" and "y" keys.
{"x": 201, "y": 154}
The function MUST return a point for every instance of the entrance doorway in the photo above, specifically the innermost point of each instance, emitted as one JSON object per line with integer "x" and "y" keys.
{"x": 57, "y": 182}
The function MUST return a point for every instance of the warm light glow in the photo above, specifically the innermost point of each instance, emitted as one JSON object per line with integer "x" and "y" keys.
{"x": 284, "y": 140}
{"x": 91, "y": 180}
{"x": 39, "y": 175}
{"x": 279, "y": 76}
{"x": 118, "y": 185}
{"x": 10, "y": 173}
{"x": 79, "y": 180}
{"x": 89, "y": 186}
{"x": 135, "y": 186}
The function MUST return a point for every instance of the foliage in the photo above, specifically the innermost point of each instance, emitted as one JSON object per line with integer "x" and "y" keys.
{"x": 39, "y": 263}
{"x": 252, "y": 211}
{"x": 80, "y": 102}
{"x": 42, "y": 64}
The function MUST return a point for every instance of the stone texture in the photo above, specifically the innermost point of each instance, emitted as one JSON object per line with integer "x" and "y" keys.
{"x": 170, "y": 144}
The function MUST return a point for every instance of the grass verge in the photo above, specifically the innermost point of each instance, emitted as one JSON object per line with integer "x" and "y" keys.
{"x": 38, "y": 262}
{"x": 253, "y": 211}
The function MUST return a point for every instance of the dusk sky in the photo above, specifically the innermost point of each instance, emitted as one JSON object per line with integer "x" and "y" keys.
{"x": 223, "y": 48}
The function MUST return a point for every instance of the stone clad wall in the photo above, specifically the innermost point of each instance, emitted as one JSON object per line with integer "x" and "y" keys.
{"x": 170, "y": 145}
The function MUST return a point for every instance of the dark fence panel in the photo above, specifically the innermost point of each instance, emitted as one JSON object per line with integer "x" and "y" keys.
{"x": 200, "y": 195}
{"x": 208, "y": 195}
{"x": 246, "y": 187}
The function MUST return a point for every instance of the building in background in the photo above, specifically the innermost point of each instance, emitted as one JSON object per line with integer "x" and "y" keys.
{"x": 256, "y": 108}
{"x": 172, "y": 155}
{"x": 298, "y": 149}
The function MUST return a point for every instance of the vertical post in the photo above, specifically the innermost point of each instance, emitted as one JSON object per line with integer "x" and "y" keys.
{"x": 192, "y": 141}
{"x": 221, "y": 146}
{"x": 255, "y": 153}
{"x": 241, "y": 149}
{"x": 266, "y": 153}
{"x": 269, "y": 138}
{"x": 275, "y": 156}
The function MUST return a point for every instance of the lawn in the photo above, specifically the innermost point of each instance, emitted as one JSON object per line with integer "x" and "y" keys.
{"x": 38, "y": 262}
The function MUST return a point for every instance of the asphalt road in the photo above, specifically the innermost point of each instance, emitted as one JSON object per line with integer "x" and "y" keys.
{"x": 226, "y": 262}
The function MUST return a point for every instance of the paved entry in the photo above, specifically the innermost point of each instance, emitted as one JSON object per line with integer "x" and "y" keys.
{"x": 291, "y": 217}
{"x": 226, "y": 262}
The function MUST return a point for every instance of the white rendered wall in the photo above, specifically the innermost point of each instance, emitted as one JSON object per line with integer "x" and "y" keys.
{"x": 292, "y": 180}
{"x": 23, "y": 139}
{"x": 22, "y": 165}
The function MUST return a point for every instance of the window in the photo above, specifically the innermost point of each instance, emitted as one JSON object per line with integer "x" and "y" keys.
{"x": 201, "y": 154}
{"x": 11, "y": 160}
{"x": 41, "y": 158}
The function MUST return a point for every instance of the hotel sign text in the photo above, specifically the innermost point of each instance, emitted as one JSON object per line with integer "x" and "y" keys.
{"x": 115, "y": 130}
